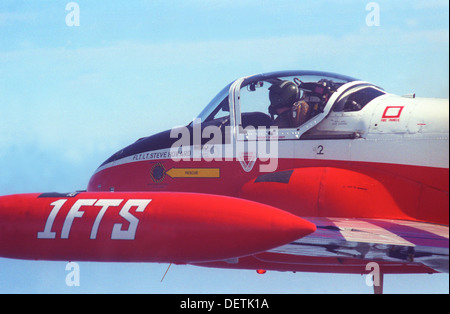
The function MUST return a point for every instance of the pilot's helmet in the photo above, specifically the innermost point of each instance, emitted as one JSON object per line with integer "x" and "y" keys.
{"x": 283, "y": 94}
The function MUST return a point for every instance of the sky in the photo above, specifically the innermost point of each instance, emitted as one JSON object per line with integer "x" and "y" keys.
{"x": 71, "y": 96}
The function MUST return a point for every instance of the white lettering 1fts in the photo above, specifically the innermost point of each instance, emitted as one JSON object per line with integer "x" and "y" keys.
{"x": 77, "y": 212}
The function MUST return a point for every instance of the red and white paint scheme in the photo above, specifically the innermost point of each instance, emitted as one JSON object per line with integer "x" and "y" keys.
{"x": 364, "y": 178}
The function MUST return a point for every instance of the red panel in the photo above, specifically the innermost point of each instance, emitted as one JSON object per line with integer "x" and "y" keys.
{"x": 341, "y": 189}
{"x": 337, "y": 192}
{"x": 347, "y": 193}
{"x": 299, "y": 196}
{"x": 432, "y": 205}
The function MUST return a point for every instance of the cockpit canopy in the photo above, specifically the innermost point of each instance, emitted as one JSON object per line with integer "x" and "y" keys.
{"x": 256, "y": 102}
{"x": 255, "y": 90}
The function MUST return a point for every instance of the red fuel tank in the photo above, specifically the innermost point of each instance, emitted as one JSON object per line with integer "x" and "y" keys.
{"x": 141, "y": 227}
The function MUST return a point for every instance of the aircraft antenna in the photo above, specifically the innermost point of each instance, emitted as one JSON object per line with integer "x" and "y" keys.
{"x": 166, "y": 272}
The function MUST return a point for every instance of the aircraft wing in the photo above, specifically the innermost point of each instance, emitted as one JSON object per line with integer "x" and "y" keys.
{"x": 375, "y": 240}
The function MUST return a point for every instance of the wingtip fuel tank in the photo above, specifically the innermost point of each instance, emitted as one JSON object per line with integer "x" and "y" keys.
{"x": 141, "y": 227}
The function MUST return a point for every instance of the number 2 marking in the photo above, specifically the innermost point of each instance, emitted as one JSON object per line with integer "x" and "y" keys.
{"x": 319, "y": 150}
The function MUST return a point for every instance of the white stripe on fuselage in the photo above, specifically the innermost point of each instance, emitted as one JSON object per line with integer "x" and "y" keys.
{"x": 427, "y": 150}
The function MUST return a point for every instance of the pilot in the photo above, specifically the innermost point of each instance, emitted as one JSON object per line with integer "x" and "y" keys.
{"x": 284, "y": 103}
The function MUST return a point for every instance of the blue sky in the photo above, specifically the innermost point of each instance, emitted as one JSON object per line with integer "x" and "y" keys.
{"x": 72, "y": 96}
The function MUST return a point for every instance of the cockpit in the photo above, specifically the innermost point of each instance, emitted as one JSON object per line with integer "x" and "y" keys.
{"x": 289, "y": 100}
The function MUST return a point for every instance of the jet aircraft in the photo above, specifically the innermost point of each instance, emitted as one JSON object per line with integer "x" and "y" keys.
{"x": 355, "y": 176}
